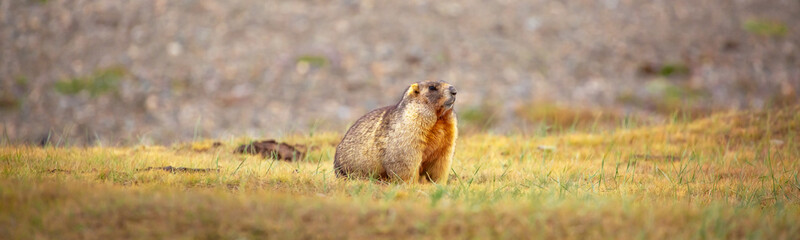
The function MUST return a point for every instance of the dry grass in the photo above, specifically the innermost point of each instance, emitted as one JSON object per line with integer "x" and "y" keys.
{"x": 732, "y": 175}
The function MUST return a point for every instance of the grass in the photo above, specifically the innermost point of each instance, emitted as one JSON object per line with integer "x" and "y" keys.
{"x": 731, "y": 175}
{"x": 764, "y": 27}
{"x": 98, "y": 83}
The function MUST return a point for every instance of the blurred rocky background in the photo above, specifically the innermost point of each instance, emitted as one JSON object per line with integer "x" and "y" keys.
{"x": 163, "y": 71}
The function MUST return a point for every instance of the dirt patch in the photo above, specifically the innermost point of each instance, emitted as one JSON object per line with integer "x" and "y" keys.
{"x": 172, "y": 169}
{"x": 656, "y": 157}
{"x": 58, "y": 170}
{"x": 273, "y": 149}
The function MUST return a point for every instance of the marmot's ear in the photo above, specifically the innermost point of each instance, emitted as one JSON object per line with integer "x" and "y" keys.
{"x": 413, "y": 89}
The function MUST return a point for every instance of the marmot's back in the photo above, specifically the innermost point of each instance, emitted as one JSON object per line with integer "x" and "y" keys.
{"x": 362, "y": 145}
{"x": 414, "y": 139}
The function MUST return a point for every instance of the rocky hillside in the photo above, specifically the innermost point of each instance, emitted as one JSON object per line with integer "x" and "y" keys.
{"x": 162, "y": 71}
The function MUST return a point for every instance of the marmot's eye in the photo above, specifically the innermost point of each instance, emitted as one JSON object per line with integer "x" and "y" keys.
{"x": 432, "y": 88}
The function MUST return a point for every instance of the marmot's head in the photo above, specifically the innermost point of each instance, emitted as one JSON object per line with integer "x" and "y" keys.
{"x": 438, "y": 96}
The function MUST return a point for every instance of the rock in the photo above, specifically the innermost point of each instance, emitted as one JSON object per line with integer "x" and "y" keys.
{"x": 546, "y": 148}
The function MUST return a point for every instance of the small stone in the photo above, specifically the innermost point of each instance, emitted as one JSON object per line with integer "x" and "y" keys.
{"x": 151, "y": 102}
{"x": 302, "y": 67}
{"x": 174, "y": 49}
{"x": 532, "y": 24}
{"x": 546, "y": 148}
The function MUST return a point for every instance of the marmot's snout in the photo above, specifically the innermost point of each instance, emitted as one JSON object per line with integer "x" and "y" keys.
{"x": 452, "y": 99}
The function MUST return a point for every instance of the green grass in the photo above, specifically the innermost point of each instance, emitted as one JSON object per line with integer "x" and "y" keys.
{"x": 732, "y": 175}
{"x": 763, "y": 27}
{"x": 100, "y": 82}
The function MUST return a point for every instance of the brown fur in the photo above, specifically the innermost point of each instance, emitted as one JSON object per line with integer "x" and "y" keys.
{"x": 411, "y": 141}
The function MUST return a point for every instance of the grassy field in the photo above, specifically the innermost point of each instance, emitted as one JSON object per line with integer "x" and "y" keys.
{"x": 731, "y": 175}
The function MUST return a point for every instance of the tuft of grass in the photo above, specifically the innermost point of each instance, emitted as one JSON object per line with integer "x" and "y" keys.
{"x": 730, "y": 175}
{"x": 313, "y": 60}
{"x": 673, "y": 69}
{"x": 768, "y": 28}
{"x": 98, "y": 83}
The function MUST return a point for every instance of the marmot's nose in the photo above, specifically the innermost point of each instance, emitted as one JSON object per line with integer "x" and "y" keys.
{"x": 453, "y": 90}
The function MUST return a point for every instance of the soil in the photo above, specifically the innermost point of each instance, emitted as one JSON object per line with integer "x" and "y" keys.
{"x": 172, "y": 169}
{"x": 273, "y": 149}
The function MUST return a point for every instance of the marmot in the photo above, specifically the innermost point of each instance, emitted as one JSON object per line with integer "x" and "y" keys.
{"x": 411, "y": 141}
